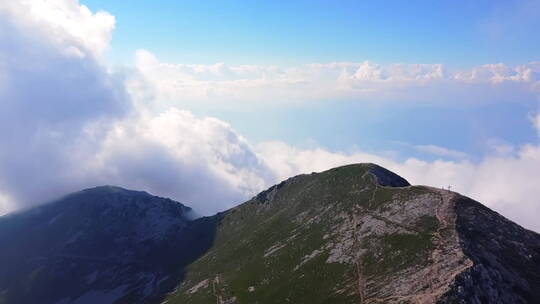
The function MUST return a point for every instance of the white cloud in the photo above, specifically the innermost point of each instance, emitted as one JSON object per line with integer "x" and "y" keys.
{"x": 6, "y": 203}
{"x": 364, "y": 81}
{"x": 66, "y": 23}
{"x": 55, "y": 105}
{"x": 440, "y": 151}
{"x": 67, "y": 123}
{"x": 202, "y": 162}
{"x": 500, "y": 73}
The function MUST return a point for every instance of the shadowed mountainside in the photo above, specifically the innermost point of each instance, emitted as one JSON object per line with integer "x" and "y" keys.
{"x": 99, "y": 245}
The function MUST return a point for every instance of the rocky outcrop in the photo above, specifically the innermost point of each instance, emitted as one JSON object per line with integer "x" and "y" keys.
{"x": 385, "y": 177}
{"x": 505, "y": 258}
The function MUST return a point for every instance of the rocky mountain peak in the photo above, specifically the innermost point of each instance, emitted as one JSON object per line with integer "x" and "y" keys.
{"x": 354, "y": 175}
{"x": 386, "y": 177}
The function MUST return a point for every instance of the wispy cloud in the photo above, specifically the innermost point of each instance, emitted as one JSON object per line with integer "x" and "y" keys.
{"x": 441, "y": 151}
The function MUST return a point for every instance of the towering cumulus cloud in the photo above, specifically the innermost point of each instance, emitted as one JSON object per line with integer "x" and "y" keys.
{"x": 66, "y": 122}
{"x": 56, "y": 99}
{"x": 203, "y": 162}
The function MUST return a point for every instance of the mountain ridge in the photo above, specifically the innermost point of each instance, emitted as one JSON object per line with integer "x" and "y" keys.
{"x": 352, "y": 234}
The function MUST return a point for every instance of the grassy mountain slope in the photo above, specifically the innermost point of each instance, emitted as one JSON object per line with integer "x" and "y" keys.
{"x": 342, "y": 236}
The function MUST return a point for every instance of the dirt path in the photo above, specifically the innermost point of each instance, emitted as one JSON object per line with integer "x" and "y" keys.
{"x": 360, "y": 280}
{"x": 214, "y": 282}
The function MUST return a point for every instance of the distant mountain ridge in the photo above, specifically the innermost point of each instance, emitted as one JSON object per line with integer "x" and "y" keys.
{"x": 353, "y": 234}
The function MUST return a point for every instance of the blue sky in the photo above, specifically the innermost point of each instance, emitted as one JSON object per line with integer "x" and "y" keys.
{"x": 284, "y": 32}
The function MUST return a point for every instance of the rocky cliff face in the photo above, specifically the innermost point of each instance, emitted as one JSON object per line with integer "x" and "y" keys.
{"x": 354, "y": 234}
{"x": 504, "y": 258}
